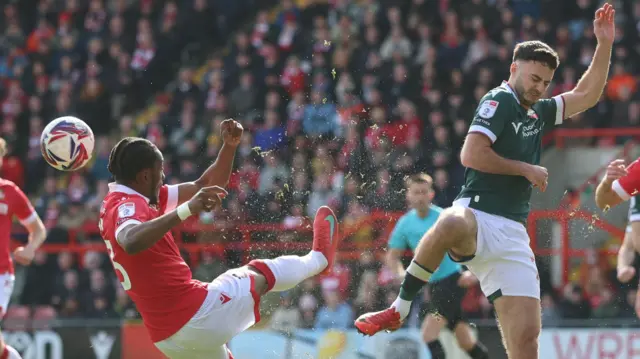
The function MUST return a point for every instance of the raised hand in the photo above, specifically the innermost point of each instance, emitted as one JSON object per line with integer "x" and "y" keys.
{"x": 604, "y": 26}
{"x": 207, "y": 199}
{"x": 615, "y": 170}
{"x": 231, "y": 132}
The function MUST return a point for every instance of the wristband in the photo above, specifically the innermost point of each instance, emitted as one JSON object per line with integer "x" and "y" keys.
{"x": 183, "y": 211}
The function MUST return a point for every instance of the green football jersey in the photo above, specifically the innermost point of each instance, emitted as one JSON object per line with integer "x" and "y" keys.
{"x": 516, "y": 134}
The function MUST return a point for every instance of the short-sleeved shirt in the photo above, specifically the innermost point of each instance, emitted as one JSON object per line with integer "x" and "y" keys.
{"x": 628, "y": 188}
{"x": 13, "y": 203}
{"x": 629, "y": 185}
{"x": 157, "y": 279}
{"x": 408, "y": 232}
{"x": 516, "y": 134}
{"x": 634, "y": 211}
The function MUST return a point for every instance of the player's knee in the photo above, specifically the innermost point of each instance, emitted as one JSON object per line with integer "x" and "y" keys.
{"x": 455, "y": 222}
{"x": 432, "y": 326}
{"x": 526, "y": 339}
{"x": 429, "y": 334}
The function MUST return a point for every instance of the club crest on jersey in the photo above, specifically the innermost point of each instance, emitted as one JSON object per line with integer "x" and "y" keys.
{"x": 126, "y": 210}
{"x": 488, "y": 109}
{"x": 531, "y": 113}
{"x": 224, "y": 298}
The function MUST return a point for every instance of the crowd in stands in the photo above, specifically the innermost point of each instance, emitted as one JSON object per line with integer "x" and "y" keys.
{"x": 340, "y": 99}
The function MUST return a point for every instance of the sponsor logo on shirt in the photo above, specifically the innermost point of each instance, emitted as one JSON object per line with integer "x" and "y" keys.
{"x": 126, "y": 210}
{"x": 488, "y": 109}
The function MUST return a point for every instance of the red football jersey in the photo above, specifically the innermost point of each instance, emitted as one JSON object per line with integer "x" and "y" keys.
{"x": 629, "y": 185}
{"x": 13, "y": 202}
{"x": 157, "y": 279}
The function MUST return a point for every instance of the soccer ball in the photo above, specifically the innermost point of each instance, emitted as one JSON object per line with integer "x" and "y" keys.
{"x": 67, "y": 143}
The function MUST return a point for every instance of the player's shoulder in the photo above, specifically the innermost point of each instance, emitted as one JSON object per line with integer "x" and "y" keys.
{"x": 8, "y": 188}
{"x": 5, "y": 183}
{"x": 407, "y": 217}
{"x": 498, "y": 99}
{"x": 501, "y": 94}
{"x": 123, "y": 202}
{"x": 436, "y": 210}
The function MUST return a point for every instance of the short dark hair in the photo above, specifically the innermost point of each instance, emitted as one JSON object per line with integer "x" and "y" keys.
{"x": 419, "y": 178}
{"x": 130, "y": 156}
{"x": 536, "y": 51}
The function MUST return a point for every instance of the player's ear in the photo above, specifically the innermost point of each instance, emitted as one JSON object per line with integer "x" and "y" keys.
{"x": 513, "y": 68}
{"x": 143, "y": 176}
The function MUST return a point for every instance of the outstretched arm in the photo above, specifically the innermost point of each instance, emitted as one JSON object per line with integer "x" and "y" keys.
{"x": 219, "y": 172}
{"x": 393, "y": 261}
{"x": 589, "y": 89}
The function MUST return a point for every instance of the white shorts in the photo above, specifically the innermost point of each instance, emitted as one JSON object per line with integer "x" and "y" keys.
{"x": 7, "y": 281}
{"x": 504, "y": 261}
{"x": 231, "y": 307}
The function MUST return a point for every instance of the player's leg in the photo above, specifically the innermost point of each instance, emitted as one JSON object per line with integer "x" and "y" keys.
{"x": 284, "y": 273}
{"x": 509, "y": 278}
{"x": 468, "y": 342}
{"x": 7, "y": 282}
{"x": 173, "y": 350}
{"x": 520, "y": 324}
{"x": 454, "y": 232}
{"x": 234, "y": 296}
{"x": 431, "y": 327}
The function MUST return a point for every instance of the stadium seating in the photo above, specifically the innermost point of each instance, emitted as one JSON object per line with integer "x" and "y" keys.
{"x": 340, "y": 100}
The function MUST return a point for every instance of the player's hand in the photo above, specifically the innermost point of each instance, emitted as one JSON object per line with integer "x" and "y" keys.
{"x": 615, "y": 170}
{"x": 207, "y": 199}
{"x": 538, "y": 176}
{"x": 604, "y": 26}
{"x": 231, "y": 132}
{"x": 467, "y": 279}
{"x": 626, "y": 273}
{"x": 24, "y": 255}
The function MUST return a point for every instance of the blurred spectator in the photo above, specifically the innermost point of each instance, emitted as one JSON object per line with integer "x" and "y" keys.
{"x": 573, "y": 305}
{"x": 286, "y": 317}
{"x": 340, "y": 101}
{"x": 550, "y": 314}
{"x": 335, "y": 314}
{"x": 211, "y": 265}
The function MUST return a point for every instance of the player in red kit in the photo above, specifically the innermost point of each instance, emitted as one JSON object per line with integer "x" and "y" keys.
{"x": 622, "y": 183}
{"x": 619, "y": 184}
{"x": 187, "y": 318}
{"x": 14, "y": 203}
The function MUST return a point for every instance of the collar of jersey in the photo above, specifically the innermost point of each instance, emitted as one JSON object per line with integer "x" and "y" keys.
{"x": 506, "y": 86}
{"x": 116, "y": 187}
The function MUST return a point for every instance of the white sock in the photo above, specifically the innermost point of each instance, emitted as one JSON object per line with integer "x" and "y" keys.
{"x": 289, "y": 271}
{"x": 403, "y": 307}
{"x": 13, "y": 354}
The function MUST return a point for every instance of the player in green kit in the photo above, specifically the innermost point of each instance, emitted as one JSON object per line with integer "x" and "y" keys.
{"x": 447, "y": 284}
{"x": 485, "y": 227}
